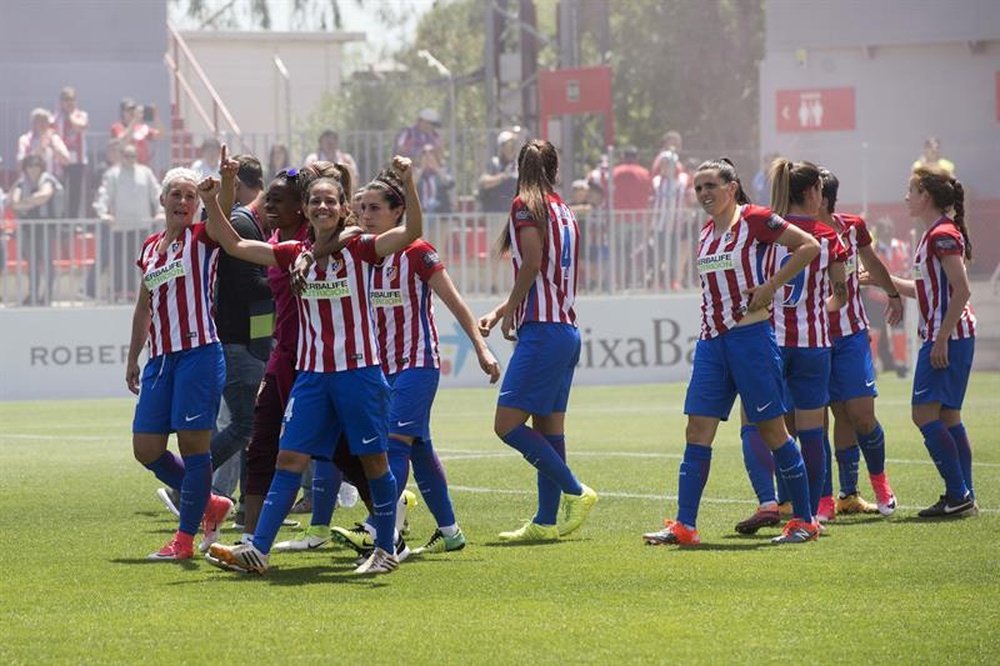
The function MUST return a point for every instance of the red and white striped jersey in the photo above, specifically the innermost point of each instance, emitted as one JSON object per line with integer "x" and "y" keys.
{"x": 181, "y": 284}
{"x": 732, "y": 263}
{"x": 336, "y": 327}
{"x": 553, "y": 293}
{"x": 800, "y": 316}
{"x": 933, "y": 290}
{"x": 851, "y": 318}
{"x": 404, "y": 309}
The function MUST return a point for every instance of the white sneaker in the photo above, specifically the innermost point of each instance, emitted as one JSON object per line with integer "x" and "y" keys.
{"x": 379, "y": 562}
{"x": 164, "y": 496}
{"x": 347, "y": 496}
{"x": 313, "y": 537}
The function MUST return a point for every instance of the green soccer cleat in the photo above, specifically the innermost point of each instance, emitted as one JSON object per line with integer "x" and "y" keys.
{"x": 311, "y": 538}
{"x": 531, "y": 531}
{"x": 439, "y": 543}
{"x": 576, "y": 508}
{"x": 356, "y": 537}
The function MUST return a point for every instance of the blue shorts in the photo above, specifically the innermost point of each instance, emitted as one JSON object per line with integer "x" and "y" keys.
{"x": 181, "y": 391}
{"x": 807, "y": 376}
{"x": 413, "y": 392}
{"x": 325, "y": 405}
{"x": 743, "y": 360}
{"x": 946, "y": 385}
{"x": 540, "y": 372}
{"x": 852, "y": 373}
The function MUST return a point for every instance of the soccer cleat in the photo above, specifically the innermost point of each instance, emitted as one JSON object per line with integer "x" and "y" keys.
{"x": 215, "y": 514}
{"x": 673, "y": 533}
{"x": 243, "y": 557}
{"x": 379, "y": 562}
{"x": 304, "y": 505}
{"x": 177, "y": 548}
{"x": 439, "y": 543}
{"x": 827, "y": 512}
{"x": 358, "y": 537}
{"x": 576, "y": 508}
{"x": 407, "y": 501}
{"x": 402, "y": 552}
{"x": 760, "y": 518}
{"x": 947, "y": 508}
{"x": 312, "y": 537}
{"x": 239, "y": 520}
{"x": 854, "y": 503}
{"x": 288, "y": 522}
{"x": 170, "y": 499}
{"x": 530, "y": 532}
{"x": 884, "y": 497}
{"x": 797, "y": 531}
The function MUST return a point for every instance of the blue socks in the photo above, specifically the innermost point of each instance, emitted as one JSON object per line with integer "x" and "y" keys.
{"x": 964, "y": 450}
{"x": 540, "y": 454}
{"x": 325, "y": 486}
{"x": 828, "y": 466}
{"x": 279, "y": 500}
{"x": 693, "y": 475}
{"x": 195, "y": 489}
{"x": 169, "y": 469}
{"x": 383, "y": 516}
{"x": 792, "y": 469}
{"x": 759, "y": 464}
{"x": 873, "y": 447}
{"x": 814, "y": 457}
{"x": 432, "y": 482}
{"x": 847, "y": 468}
{"x": 548, "y": 492}
{"x": 944, "y": 453}
{"x": 399, "y": 463}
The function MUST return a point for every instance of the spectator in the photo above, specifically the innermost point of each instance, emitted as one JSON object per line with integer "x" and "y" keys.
{"x": 761, "y": 186}
{"x": 411, "y": 141}
{"x": 633, "y": 186}
{"x": 329, "y": 150}
{"x": 127, "y": 203}
{"x": 671, "y": 222}
{"x": 209, "y": 155}
{"x": 71, "y": 125}
{"x": 498, "y": 184}
{"x": 43, "y": 141}
{"x": 932, "y": 156}
{"x": 278, "y": 159}
{"x": 36, "y": 196}
{"x": 895, "y": 254}
{"x": 673, "y": 143}
{"x": 132, "y": 127}
{"x": 434, "y": 183}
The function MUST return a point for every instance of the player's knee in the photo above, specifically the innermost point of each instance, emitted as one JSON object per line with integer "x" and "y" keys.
{"x": 292, "y": 461}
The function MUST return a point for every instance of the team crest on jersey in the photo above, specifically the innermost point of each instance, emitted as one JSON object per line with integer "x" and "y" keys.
{"x": 523, "y": 214}
{"x": 727, "y": 237}
{"x": 336, "y": 265}
{"x": 176, "y": 245}
{"x": 390, "y": 272}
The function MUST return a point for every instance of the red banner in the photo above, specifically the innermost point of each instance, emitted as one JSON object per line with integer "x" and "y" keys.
{"x": 575, "y": 91}
{"x": 815, "y": 110}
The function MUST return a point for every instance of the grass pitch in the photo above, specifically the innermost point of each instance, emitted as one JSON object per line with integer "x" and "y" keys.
{"x": 78, "y": 517}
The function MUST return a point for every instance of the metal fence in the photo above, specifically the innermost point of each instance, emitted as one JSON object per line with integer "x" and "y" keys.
{"x": 83, "y": 262}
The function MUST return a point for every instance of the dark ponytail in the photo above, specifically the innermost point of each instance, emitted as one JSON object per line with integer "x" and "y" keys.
{"x": 946, "y": 194}
{"x": 959, "y": 206}
{"x": 537, "y": 166}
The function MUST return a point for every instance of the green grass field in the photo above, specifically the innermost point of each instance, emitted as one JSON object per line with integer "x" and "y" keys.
{"x": 78, "y": 515}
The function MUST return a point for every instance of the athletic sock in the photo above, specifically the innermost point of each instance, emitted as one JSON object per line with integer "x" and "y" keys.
{"x": 827, "y": 466}
{"x": 325, "y": 486}
{"x": 432, "y": 482}
{"x": 779, "y": 484}
{"x": 540, "y": 454}
{"x": 847, "y": 469}
{"x": 759, "y": 464}
{"x": 811, "y": 441}
{"x": 195, "y": 489}
{"x": 964, "y": 449}
{"x": 691, "y": 481}
{"x": 548, "y": 492}
{"x": 793, "y": 470}
{"x": 169, "y": 469}
{"x": 399, "y": 463}
{"x": 873, "y": 448}
{"x": 448, "y": 530}
{"x": 383, "y": 516}
{"x": 279, "y": 500}
{"x": 944, "y": 453}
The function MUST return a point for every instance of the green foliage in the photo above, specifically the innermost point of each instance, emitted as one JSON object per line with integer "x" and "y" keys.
{"x": 79, "y": 516}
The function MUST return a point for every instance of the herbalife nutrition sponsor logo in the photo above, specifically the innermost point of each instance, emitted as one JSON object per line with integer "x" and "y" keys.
{"x": 327, "y": 289}
{"x": 158, "y": 276}
{"x": 720, "y": 261}
{"x": 386, "y": 298}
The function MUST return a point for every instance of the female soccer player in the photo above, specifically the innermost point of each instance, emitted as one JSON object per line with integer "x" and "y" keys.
{"x": 948, "y": 329}
{"x": 737, "y": 352}
{"x": 543, "y": 238}
{"x": 181, "y": 385}
{"x": 339, "y": 386}
{"x": 402, "y": 285}
{"x": 852, "y": 372}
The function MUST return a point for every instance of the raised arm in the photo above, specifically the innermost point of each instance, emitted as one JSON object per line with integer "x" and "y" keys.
{"x": 220, "y": 229}
{"x": 397, "y": 238}
{"x": 445, "y": 289}
{"x": 227, "y": 172}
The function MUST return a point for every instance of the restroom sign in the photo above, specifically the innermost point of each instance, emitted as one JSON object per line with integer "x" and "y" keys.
{"x": 815, "y": 110}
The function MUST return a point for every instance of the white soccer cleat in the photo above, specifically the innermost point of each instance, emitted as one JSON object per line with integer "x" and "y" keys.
{"x": 379, "y": 562}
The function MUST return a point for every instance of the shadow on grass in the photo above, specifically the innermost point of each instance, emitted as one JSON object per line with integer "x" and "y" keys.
{"x": 297, "y": 576}
{"x": 930, "y": 521}
{"x": 519, "y": 544}
{"x": 184, "y": 564}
